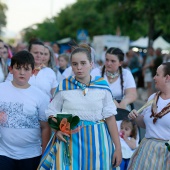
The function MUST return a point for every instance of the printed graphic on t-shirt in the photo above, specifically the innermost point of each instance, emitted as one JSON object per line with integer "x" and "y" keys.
{"x": 16, "y": 117}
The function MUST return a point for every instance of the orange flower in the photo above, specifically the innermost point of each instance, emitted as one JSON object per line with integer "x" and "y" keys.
{"x": 65, "y": 126}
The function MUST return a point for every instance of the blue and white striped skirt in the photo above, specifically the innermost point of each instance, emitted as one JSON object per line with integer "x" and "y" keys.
{"x": 152, "y": 154}
{"x": 91, "y": 148}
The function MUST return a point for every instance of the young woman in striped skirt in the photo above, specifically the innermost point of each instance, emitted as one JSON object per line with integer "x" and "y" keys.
{"x": 91, "y": 147}
{"x": 154, "y": 150}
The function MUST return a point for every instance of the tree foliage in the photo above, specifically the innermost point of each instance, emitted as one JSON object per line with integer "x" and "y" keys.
{"x": 134, "y": 18}
{"x": 81, "y": 15}
{"x": 149, "y": 14}
{"x": 3, "y": 9}
{"x": 46, "y": 31}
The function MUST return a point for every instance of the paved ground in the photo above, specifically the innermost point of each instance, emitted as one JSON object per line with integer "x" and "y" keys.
{"x": 142, "y": 96}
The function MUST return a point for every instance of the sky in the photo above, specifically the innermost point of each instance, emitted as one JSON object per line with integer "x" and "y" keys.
{"x": 24, "y": 13}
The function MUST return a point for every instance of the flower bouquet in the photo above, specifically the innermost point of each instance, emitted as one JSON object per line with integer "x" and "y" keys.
{"x": 65, "y": 123}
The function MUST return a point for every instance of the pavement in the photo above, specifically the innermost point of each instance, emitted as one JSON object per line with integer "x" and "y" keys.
{"x": 142, "y": 94}
{"x": 141, "y": 100}
{"x": 142, "y": 97}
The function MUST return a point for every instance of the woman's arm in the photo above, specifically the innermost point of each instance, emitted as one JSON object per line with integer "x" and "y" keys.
{"x": 116, "y": 103}
{"x": 130, "y": 97}
{"x": 55, "y": 106}
{"x": 137, "y": 118}
{"x": 45, "y": 134}
{"x": 111, "y": 123}
{"x": 53, "y": 91}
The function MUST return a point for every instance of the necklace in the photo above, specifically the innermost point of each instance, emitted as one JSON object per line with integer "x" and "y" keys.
{"x": 112, "y": 75}
{"x": 83, "y": 86}
{"x": 163, "y": 112}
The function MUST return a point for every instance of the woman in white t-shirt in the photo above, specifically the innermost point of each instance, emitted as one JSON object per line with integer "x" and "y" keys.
{"x": 3, "y": 66}
{"x": 120, "y": 80}
{"x": 154, "y": 149}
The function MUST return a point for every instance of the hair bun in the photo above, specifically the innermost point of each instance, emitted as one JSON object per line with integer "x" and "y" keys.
{"x": 86, "y": 46}
{"x": 74, "y": 45}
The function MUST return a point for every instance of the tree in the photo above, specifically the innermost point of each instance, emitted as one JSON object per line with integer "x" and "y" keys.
{"x": 118, "y": 15}
{"x": 134, "y": 18}
{"x": 46, "y": 31}
{"x": 145, "y": 14}
{"x": 3, "y": 9}
{"x": 81, "y": 15}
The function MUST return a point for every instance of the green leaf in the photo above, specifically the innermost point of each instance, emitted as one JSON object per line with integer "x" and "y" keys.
{"x": 74, "y": 122}
{"x": 53, "y": 124}
{"x": 67, "y": 116}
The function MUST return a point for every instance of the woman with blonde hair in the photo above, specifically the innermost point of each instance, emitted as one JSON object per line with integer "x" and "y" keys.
{"x": 49, "y": 60}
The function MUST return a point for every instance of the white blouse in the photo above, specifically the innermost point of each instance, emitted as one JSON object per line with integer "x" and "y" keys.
{"x": 128, "y": 82}
{"x": 96, "y": 105}
{"x": 161, "y": 129}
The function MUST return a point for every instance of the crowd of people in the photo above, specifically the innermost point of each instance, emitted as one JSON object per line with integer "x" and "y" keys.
{"x": 37, "y": 83}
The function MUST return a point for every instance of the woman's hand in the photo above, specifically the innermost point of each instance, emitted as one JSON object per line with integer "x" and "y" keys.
{"x": 60, "y": 136}
{"x": 117, "y": 158}
{"x": 133, "y": 114}
{"x": 123, "y": 104}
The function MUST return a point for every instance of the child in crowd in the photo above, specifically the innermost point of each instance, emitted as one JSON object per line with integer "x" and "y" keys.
{"x": 63, "y": 62}
{"x": 23, "y": 126}
{"x": 128, "y": 136}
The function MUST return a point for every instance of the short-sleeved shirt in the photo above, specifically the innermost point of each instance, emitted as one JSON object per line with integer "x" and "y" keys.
{"x": 161, "y": 129}
{"x": 128, "y": 82}
{"x": 23, "y": 110}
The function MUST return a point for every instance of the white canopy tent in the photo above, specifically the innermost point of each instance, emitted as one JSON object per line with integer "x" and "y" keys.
{"x": 141, "y": 42}
{"x": 158, "y": 43}
{"x": 161, "y": 43}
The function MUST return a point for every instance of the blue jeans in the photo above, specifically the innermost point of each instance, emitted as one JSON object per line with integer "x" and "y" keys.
{"x": 7, "y": 163}
{"x": 124, "y": 164}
